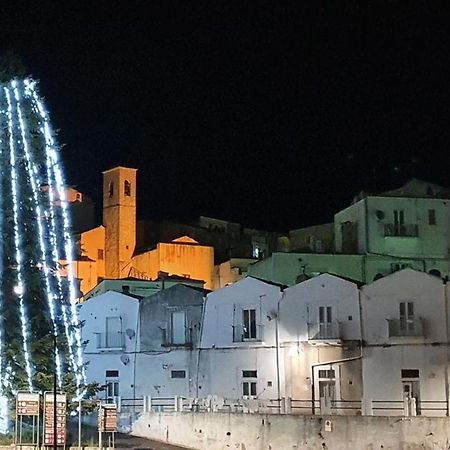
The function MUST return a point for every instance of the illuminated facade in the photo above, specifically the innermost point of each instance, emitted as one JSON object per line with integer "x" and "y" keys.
{"x": 375, "y": 236}
{"x": 109, "y": 251}
{"x": 119, "y": 220}
{"x": 183, "y": 256}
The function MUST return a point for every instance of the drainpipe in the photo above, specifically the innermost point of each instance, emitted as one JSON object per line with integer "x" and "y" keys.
{"x": 277, "y": 350}
{"x": 199, "y": 345}
{"x": 338, "y": 361}
{"x": 366, "y": 224}
{"x": 446, "y": 347}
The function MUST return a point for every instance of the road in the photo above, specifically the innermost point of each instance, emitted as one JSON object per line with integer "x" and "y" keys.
{"x": 125, "y": 441}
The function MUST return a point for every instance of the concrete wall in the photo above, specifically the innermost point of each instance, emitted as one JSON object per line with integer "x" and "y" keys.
{"x": 214, "y": 431}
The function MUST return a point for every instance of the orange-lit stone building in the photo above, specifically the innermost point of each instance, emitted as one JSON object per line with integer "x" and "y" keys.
{"x": 108, "y": 251}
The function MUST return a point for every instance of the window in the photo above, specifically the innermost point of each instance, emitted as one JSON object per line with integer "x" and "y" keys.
{"x": 399, "y": 222}
{"x": 178, "y": 374}
{"x": 431, "y": 217}
{"x": 112, "y": 389}
{"x": 113, "y": 335}
{"x": 249, "y": 383}
{"x": 410, "y": 373}
{"x": 249, "y": 373}
{"x": 406, "y": 310}
{"x": 111, "y": 189}
{"x": 112, "y": 385}
{"x": 395, "y": 267}
{"x": 327, "y": 373}
{"x": 249, "y": 323}
{"x": 325, "y": 314}
{"x": 178, "y": 327}
{"x": 100, "y": 254}
{"x": 127, "y": 188}
{"x": 112, "y": 374}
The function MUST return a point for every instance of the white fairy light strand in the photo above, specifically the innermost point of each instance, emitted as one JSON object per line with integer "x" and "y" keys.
{"x": 56, "y": 171}
{"x": 33, "y": 178}
{"x": 53, "y": 231}
{"x": 17, "y": 244}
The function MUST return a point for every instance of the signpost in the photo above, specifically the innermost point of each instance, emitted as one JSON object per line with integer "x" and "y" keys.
{"x": 49, "y": 415}
{"x": 27, "y": 404}
{"x": 107, "y": 421}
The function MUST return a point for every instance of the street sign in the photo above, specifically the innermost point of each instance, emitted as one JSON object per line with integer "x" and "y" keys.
{"x": 107, "y": 420}
{"x": 61, "y": 407}
{"x": 27, "y": 404}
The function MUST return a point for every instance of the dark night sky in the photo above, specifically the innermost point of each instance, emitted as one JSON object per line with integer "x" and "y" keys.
{"x": 274, "y": 114}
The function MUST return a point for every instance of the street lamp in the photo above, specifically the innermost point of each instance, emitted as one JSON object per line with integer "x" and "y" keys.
{"x": 55, "y": 444}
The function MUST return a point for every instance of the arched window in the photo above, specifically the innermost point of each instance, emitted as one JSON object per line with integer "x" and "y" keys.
{"x": 111, "y": 189}
{"x": 127, "y": 188}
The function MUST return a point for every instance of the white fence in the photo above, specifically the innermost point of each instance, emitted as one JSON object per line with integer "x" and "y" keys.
{"x": 285, "y": 405}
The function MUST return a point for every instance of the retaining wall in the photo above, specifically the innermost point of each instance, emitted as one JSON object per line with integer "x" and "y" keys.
{"x": 214, "y": 431}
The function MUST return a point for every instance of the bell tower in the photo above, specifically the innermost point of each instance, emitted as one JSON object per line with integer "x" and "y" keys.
{"x": 119, "y": 220}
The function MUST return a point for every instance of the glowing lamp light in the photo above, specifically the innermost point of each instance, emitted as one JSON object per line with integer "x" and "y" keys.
{"x": 18, "y": 289}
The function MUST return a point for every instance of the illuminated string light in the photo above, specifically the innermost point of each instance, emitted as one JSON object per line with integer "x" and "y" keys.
{"x": 56, "y": 184}
{"x": 17, "y": 241}
{"x": 33, "y": 179}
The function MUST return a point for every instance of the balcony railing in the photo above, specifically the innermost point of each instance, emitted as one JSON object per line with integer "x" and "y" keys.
{"x": 111, "y": 341}
{"x": 168, "y": 339}
{"x": 397, "y": 230}
{"x": 324, "y": 331}
{"x": 406, "y": 327}
{"x": 244, "y": 334}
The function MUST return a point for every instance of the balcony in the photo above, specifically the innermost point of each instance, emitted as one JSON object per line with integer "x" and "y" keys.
{"x": 183, "y": 340}
{"x": 397, "y": 230}
{"x": 405, "y": 328}
{"x": 324, "y": 333}
{"x": 244, "y": 334}
{"x": 111, "y": 341}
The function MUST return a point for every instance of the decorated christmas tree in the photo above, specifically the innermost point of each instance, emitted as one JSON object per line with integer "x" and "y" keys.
{"x": 39, "y": 328}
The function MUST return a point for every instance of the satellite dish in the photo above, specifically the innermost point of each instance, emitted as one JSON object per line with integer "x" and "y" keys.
{"x": 130, "y": 333}
{"x": 125, "y": 359}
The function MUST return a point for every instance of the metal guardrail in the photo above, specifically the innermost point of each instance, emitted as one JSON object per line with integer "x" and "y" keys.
{"x": 281, "y": 406}
{"x": 111, "y": 340}
{"x": 324, "y": 331}
{"x": 244, "y": 334}
{"x": 406, "y": 327}
{"x": 399, "y": 230}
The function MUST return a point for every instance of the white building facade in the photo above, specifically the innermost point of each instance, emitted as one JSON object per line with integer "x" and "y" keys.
{"x": 239, "y": 357}
{"x": 405, "y": 357}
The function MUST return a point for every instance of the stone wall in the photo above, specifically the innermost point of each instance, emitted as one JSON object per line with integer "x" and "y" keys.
{"x": 214, "y": 431}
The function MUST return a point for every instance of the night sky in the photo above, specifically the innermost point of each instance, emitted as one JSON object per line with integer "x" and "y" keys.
{"x": 272, "y": 114}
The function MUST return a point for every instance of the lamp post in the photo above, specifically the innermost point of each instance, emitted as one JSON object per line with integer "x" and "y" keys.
{"x": 55, "y": 444}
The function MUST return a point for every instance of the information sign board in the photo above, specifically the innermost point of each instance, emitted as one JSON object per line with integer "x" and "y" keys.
{"x": 107, "y": 418}
{"x": 61, "y": 408}
{"x": 27, "y": 404}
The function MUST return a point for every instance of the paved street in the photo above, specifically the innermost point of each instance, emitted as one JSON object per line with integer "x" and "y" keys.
{"x": 124, "y": 441}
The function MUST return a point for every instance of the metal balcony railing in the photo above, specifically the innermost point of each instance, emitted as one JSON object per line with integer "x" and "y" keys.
{"x": 244, "y": 334}
{"x": 111, "y": 340}
{"x": 397, "y": 230}
{"x": 168, "y": 339}
{"x": 405, "y": 327}
{"x": 324, "y": 331}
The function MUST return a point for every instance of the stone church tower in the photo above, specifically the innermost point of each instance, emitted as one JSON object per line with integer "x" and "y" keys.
{"x": 119, "y": 220}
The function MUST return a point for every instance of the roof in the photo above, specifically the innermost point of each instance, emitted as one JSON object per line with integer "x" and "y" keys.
{"x": 416, "y": 188}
